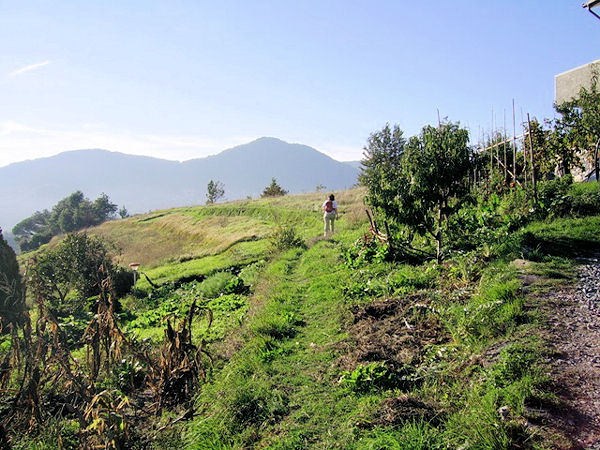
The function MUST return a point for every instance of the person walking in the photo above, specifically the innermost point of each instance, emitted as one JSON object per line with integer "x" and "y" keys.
{"x": 330, "y": 210}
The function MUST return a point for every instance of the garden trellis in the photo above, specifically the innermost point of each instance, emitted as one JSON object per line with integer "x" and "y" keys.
{"x": 500, "y": 159}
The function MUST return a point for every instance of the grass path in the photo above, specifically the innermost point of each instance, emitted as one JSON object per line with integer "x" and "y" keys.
{"x": 294, "y": 341}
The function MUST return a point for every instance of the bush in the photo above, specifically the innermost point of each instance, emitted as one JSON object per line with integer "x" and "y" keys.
{"x": 285, "y": 237}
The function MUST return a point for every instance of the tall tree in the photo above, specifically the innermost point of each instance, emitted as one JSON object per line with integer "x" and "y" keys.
{"x": 214, "y": 191}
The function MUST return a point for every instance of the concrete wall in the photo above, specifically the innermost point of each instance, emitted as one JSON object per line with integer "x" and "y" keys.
{"x": 568, "y": 84}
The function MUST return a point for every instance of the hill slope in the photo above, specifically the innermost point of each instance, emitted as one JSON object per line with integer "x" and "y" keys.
{"x": 325, "y": 344}
{"x": 142, "y": 183}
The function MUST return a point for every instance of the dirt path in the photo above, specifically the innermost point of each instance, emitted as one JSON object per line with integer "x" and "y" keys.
{"x": 573, "y": 330}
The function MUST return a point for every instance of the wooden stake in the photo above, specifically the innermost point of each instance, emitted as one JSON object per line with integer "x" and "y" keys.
{"x": 505, "y": 168}
{"x": 514, "y": 143}
{"x": 531, "y": 155}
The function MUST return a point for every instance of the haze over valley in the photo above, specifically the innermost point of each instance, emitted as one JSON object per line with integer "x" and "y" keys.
{"x": 143, "y": 183}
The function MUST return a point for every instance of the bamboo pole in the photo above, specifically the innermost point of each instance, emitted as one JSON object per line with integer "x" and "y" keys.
{"x": 504, "y": 146}
{"x": 510, "y": 173}
{"x": 524, "y": 152}
{"x": 514, "y": 142}
{"x": 531, "y": 155}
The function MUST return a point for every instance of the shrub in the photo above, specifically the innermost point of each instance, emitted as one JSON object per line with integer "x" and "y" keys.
{"x": 285, "y": 237}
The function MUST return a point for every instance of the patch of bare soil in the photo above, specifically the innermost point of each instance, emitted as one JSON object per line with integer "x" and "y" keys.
{"x": 395, "y": 332}
{"x": 573, "y": 331}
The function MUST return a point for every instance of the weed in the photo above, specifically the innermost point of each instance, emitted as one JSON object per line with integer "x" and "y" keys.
{"x": 254, "y": 403}
{"x": 285, "y": 237}
{"x": 376, "y": 376}
{"x": 279, "y": 326}
{"x": 514, "y": 362}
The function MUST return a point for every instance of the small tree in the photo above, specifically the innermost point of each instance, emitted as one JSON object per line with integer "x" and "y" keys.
{"x": 214, "y": 191}
{"x": 418, "y": 184}
{"x": 273, "y": 190}
{"x": 67, "y": 274}
{"x": 123, "y": 213}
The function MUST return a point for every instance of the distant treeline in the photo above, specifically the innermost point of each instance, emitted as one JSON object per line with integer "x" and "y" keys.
{"x": 72, "y": 213}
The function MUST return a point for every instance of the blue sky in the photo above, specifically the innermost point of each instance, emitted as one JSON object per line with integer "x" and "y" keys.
{"x": 186, "y": 79}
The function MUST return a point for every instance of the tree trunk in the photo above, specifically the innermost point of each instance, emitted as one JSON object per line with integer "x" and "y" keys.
{"x": 596, "y": 168}
{"x": 438, "y": 237}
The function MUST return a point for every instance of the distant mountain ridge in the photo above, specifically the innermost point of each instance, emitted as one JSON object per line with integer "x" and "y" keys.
{"x": 142, "y": 183}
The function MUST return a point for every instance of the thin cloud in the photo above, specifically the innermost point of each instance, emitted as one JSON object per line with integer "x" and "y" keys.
{"x": 28, "y": 68}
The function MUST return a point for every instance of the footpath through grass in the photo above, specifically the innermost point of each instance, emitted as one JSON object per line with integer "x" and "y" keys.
{"x": 311, "y": 370}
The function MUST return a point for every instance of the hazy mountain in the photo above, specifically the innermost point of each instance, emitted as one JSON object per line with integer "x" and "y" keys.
{"x": 355, "y": 164}
{"x": 142, "y": 183}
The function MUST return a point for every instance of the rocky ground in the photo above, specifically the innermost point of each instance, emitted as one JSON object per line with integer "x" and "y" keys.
{"x": 574, "y": 333}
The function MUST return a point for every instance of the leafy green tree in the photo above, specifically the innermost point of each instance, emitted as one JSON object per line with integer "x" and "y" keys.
{"x": 12, "y": 290}
{"x": 72, "y": 213}
{"x": 418, "y": 184}
{"x": 123, "y": 213}
{"x": 214, "y": 191}
{"x": 273, "y": 190}
{"x": 34, "y": 231}
{"x": 546, "y": 157}
{"x": 69, "y": 273}
{"x": 563, "y": 145}
{"x": 579, "y": 123}
{"x": 437, "y": 164}
{"x": 103, "y": 210}
{"x": 381, "y": 169}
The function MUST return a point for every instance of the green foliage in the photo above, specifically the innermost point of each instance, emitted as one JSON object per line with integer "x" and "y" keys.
{"x": 565, "y": 237}
{"x": 414, "y": 435}
{"x": 216, "y": 284}
{"x": 74, "y": 327}
{"x": 578, "y": 128}
{"x": 285, "y": 237}
{"x": 273, "y": 190}
{"x": 364, "y": 251}
{"x": 279, "y": 326}
{"x": 214, "y": 191}
{"x": 376, "y": 376}
{"x": 67, "y": 274}
{"x": 58, "y": 434}
{"x": 418, "y": 184}
{"x": 127, "y": 376}
{"x": 12, "y": 289}
{"x": 72, "y": 213}
{"x": 253, "y": 403}
{"x": 515, "y": 361}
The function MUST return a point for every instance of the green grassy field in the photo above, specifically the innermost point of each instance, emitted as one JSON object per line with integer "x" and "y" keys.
{"x": 312, "y": 349}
